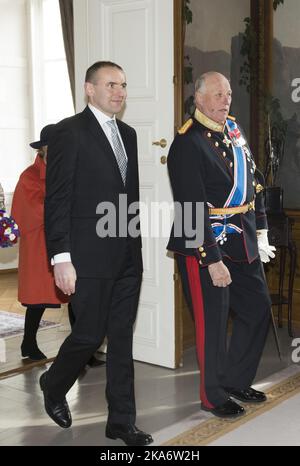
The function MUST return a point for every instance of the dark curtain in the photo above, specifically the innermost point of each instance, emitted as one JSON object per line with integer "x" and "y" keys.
{"x": 67, "y": 22}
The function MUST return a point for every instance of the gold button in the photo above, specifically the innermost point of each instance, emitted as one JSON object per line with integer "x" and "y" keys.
{"x": 231, "y": 164}
{"x": 200, "y": 262}
{"x": 224, "y": 154}
{"x": 203, "y": 254}
{"x": 209, "y": 135}
{"x": 216, "y": 144}
{"x": 201, "y": 249}
{"x": 253, "y": 182}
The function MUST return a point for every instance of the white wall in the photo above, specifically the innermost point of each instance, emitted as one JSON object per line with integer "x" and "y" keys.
{"x": 14, "y": 103}
{"x": 34, "y": 87}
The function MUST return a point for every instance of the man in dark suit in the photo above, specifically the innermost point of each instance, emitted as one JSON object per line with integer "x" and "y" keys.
{"x": 92, "y": 176}
{"x": 210, "y": 162}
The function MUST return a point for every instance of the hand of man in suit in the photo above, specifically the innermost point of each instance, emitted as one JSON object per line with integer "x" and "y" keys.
{"x": 65, "y": 277}
{"x": 220, "y": 274}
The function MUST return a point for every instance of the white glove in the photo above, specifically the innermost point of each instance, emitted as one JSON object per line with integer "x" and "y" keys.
{"x": 264, "y": 248}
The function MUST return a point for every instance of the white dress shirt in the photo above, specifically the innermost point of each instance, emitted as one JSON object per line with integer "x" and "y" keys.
{"x": 102, "y": 119}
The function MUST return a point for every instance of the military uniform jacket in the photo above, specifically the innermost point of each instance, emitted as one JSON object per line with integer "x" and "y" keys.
{"x": 201, "y": 169}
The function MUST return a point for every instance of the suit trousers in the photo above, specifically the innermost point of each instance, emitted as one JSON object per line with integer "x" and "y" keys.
{"x": 102, "y": 308}
{"x": 222, "y": 363}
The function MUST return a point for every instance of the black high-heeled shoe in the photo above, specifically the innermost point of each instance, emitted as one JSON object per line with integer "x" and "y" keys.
{"x": 32, "y": 352}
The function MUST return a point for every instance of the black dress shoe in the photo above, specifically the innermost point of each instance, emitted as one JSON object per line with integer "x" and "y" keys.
{"x": 57, "y": 410}
{"x": 129, "y": 433}
{"x": 248, "y": 395}
{"x": 229, "y": 409}
{"x": 94, "y": 362}
{"x": 32, "y": 352}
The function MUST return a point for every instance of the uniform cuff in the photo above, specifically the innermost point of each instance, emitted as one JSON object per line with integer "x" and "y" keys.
{"x": 207, "y": 254}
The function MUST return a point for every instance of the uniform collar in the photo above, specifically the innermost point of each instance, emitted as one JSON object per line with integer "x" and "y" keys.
{"x": 210, "y": 124}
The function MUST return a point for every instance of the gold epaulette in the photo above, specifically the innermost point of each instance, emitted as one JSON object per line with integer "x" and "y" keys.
{"x": 231, "y": 118}
{"x": 186, "y": 126}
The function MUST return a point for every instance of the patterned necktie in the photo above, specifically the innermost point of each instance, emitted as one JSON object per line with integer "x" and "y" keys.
{"x": 118, "y": 149}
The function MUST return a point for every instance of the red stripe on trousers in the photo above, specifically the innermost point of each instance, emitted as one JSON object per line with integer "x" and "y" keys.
{"x": 198, "y": 308}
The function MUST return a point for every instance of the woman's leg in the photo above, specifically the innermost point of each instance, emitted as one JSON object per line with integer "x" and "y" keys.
{"x": 29, "y": 347}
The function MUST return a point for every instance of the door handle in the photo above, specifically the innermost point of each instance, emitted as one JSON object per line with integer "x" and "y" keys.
{"x": 162, "y": 143}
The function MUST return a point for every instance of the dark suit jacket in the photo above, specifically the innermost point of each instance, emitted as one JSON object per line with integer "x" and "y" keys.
{"x": 201, "y": 170}
{"x": 82, "y": 171}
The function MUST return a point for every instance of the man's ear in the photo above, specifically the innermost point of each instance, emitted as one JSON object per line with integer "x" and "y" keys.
{"x": 198, "y": 99}
{"x": 89, "y": 89}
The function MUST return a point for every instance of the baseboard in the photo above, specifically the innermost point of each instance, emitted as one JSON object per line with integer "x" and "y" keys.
{"x": 3, "y": 271}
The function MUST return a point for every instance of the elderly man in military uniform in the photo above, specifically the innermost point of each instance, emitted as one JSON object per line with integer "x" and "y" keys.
{"x": 210, "y": 162}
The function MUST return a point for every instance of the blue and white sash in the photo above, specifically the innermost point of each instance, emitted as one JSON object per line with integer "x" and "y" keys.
{"x": 238, "y": 192}
{"x": 222, "y": 229}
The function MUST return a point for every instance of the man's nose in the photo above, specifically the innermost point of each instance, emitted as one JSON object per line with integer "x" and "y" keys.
{"x": 121, "y": 91}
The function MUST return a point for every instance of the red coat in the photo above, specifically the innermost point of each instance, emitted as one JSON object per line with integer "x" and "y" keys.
{"x": 36, "y": 281}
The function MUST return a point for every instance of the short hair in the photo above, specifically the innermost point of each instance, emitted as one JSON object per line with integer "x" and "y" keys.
{"x": 92, "y": 70}
{"x": 41, "y": 152}
{"x": 200, "y": 82}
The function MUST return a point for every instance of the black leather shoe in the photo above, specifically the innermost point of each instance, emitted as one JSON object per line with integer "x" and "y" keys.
{"x": 32, "y": 352}
{"x": 248, "y": 395}
{"x": 229, "y": 409}
{"x": 94, "y": 362}
{"x": 129, "y": 433}
{"x": 57, "y": 410}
